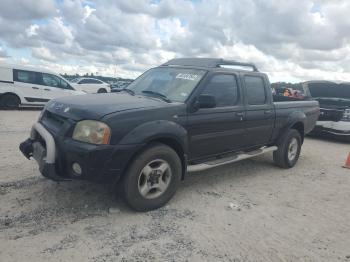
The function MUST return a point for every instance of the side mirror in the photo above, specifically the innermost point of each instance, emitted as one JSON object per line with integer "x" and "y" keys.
{"x": 206, "y": 101}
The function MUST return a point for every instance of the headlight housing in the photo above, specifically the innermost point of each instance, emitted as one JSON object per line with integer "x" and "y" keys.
{"x": 93, "y": 132}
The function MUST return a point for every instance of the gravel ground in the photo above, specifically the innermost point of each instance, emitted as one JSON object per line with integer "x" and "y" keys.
{"x": 247, "y": 211}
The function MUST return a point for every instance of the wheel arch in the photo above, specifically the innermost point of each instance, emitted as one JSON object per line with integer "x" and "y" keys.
{"x": 14, "y": 94}
{"x": 299, "y": 126}
{"x": 177, "y": 147}
{"x": 102, "y": 90}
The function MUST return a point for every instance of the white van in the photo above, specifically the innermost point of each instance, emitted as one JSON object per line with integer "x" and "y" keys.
{"x": 20, "y": 86}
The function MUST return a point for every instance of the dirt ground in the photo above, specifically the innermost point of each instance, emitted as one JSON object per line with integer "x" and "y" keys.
{"x": 247, "y": 211}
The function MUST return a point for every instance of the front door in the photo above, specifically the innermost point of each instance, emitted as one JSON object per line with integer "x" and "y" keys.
{"x": 54, "y": 87}
{"x": 217, "y": 130}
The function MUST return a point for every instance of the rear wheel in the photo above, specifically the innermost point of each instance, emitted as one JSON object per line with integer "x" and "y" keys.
{"x": 9, "y": 101}
{"x": 152, "y": 178}
{"x": 289, "y": 149}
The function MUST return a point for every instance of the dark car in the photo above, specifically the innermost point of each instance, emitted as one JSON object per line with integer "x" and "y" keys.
{"x": 334, "y": 99}
{"x": 185, "y": 115}
{"x": 116, "y": 86}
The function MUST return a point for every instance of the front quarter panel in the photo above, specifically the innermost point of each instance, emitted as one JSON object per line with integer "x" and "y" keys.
{"x": 156, "y": 130}
{"x": 143, "y": 125}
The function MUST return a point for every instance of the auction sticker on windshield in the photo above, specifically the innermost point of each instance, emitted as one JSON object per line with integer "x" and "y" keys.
{"x": 191, "y": 77}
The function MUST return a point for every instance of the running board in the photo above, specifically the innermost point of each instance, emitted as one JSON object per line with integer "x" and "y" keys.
{"x": 230, "y": 159}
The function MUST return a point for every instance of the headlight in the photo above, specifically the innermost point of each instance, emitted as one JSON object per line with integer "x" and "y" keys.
{"x": 93, "y": 132}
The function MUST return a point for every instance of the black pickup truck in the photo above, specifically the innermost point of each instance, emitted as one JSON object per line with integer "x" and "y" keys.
{"x": 185, "y": 115}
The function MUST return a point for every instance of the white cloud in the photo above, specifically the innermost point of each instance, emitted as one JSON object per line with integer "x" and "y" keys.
{"x": 289, "y": 41}
{"x": 32, "y": 30}
{"x": 43, "y": 53}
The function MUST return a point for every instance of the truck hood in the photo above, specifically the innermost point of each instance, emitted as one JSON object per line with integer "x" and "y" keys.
{"x": 95, "y": 106}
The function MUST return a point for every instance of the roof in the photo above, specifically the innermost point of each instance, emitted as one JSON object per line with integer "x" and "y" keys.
{"x": 27, "y": 68}
{"x": 208, "y": 63}
{"x": 83, "y": 77}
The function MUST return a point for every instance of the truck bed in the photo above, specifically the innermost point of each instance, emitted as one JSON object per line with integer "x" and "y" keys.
{"x": 309, "y": 109}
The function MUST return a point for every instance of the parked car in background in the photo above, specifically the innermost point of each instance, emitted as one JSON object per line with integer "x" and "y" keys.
{"x": 117, "y": 86}
{"x": 90, "y": 85}
{"x": 21, "y": 86}
{"x": 334, "y": 99}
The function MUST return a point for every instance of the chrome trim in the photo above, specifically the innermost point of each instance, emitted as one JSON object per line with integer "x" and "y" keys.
{"x": 49, "y": 140}
{"x": 236, "y": 158}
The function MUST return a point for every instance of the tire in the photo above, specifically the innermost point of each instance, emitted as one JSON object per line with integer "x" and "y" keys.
{"x": 142, "y": 188}
{"x": 101, "y": 91}
{"x": 289, "y": 149}
{"x": 9, "y": 101}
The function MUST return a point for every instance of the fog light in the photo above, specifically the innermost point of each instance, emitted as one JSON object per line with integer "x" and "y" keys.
{"x": 77, "y": 169}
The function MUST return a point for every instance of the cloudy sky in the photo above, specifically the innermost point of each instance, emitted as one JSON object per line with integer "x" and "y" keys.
{"x": 289, "y": 40}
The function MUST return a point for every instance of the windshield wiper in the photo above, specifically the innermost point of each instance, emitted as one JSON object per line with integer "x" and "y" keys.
{"x": 160, "y": 95}
{"x": 126, "y": 90}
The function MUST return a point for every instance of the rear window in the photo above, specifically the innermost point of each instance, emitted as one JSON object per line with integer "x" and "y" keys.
{"x": 24, "y": 76}
{"x": 255, "y": 88}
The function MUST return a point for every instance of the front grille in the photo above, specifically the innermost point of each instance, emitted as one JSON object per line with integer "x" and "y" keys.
{"x": 53, "y": 122}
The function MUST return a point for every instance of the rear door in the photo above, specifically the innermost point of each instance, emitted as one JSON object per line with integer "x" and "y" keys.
{"x": 27, "y": 85}
{"x": 260, "y": 113}
{"x": 217, "y": 130}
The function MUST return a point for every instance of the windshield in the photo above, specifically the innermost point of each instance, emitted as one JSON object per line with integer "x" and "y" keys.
{"x": 174, "y": 84}
{"x": 330, "y": 90}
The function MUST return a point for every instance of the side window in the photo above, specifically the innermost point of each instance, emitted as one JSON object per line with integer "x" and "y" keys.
{"x": 84, "y": 81}
{"x": 24, "y": 76}
{"x": 224, "y": 88}
{"x": 65, "y": 85}
{"x": 255, "y": 89}
{"x": 90, "y": 81}
{"x": 95, "y": 81}
{"x": 54, "y": 81}
{"x": 51, "y": 80}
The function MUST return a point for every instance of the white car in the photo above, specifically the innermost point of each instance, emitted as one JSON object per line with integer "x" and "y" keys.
{"x": 90, "y": 85}
{"x": 21, "y": 86}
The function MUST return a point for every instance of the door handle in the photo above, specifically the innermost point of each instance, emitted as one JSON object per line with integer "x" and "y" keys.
{"x": 34, "y": 87}
{"x": 267, "y": 112}
{"x": 46, "y": 89}
{"x": 240, "y": 115}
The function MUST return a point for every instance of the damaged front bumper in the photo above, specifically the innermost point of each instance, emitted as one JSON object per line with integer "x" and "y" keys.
{"x": 44, "y": 156}
{"x": 57, "y": 154}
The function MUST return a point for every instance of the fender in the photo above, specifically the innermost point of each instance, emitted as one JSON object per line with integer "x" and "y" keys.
{"x": 154, "y": 130}
{"x": 292, "y": 119}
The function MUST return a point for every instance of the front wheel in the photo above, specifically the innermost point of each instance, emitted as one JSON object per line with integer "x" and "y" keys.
{"x": 289, "y": 149}
{"x": 152, "y": 178}
{"x": 102, "y": 91}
